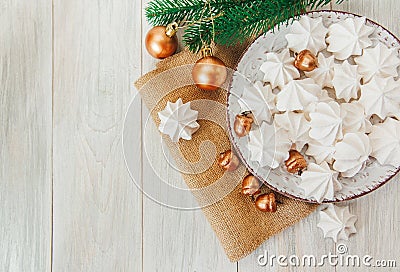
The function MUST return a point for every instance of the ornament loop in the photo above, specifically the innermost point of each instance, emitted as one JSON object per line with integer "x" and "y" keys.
{"x": 206, "y": 51}
{"x": 171, "y": 29}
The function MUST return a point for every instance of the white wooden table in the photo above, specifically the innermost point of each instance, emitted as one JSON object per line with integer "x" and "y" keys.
{"x": 67, "y": 202}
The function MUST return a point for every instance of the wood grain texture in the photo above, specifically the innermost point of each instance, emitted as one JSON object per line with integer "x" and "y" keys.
{"x": 377, "y": 230}
{"x": 25, "y": 135}
{"x": 69, "y": 143}
{"x": 173, "y": 239}
{"x": 301, "y": 239}
{"x": 97, "y": 209}
{"x": 378, "y": 218}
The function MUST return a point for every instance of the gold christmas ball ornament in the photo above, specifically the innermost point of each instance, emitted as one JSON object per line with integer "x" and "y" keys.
{"x": 296, "y": 162}
{"x": 243, "y": 123}
{"x": 266, "y": 202}
{"x": 161, "y": 41}
{"x": 306, "y": 61}
{"x": 209, "y": 72}
{"x": 228, "y": 161}
{"x": 251, "y": 185}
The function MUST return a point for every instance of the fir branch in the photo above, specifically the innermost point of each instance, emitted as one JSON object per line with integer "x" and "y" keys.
{"x": 240, "y": 20}
{"x": 198, "y": 35}
{"x": 163, "y": 12}
{"x": 256, "y": 17}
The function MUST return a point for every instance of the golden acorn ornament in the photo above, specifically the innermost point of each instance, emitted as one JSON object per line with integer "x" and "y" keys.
{"x": 266, "y": 202}
{"x": 296, "y": 162}
{"x": 305, "y": 61}
{"x": 161, "y": 41}
{"x": 251, "y": 185}
{"x": 243, "y": 123}
{"x": 209, "y": 73}
{"x": 228, "y": 161}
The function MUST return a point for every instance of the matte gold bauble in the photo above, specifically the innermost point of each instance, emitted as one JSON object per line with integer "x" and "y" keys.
{"x": 209, "y": 72}
{"x": 161, "y": 41}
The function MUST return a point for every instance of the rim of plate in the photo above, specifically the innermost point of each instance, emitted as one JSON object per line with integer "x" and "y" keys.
{"x": 263, "y": 180}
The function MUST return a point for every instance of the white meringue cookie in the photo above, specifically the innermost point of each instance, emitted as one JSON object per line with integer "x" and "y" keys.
{"x": 385, "y": 141}
{"x": 320, "y": 182}
{"x": 297, "y": 127}
{"x": 323, "y": 96}
{"x": 279, "y": 69}
{"x": 337, "y": 222}
{"x": 320, "y": 152}
{"x": 349, "y": 37}
{"x": 347, "y": 81}
{"x": 326, "y": 123}
{"x": 378, "y": 61}
{"x": 297, "y": 94}
{"x": 307, "y": 33}
{"x": 351, "y": 154}
{"x": 260, "y": 100}
{"x": 323, "y": 74}
{"x": 381, "y": 96}
{"x": 354, "y": 118}
{"x": 269, "y": 146}
{"x": 178, "y": 120}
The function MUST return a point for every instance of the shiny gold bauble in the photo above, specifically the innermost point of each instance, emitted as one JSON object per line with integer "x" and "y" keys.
{"x": 209, "y": 72}
{"x": 296, "y": 162}
{"x": 266, "y": 202}
{"x": 250, "y": 185}
{"x": 243, "y": 123}
{"x": 228, "y": 161}
{"x": 306, "y": 61}
{"x": 161, "y": 42}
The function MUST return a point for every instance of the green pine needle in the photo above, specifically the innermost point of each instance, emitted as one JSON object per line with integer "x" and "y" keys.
{"x": 235, "y": 21}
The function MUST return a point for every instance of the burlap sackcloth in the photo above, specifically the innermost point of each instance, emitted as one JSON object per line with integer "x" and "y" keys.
{"x": 238, "y": 225}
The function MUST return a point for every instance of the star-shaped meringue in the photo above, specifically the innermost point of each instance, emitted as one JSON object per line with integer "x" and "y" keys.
{"x": 269, "y": 146}
{"x": 337, "y": 222}
{"x": 297, "y": 127}
{"x": 378, "y": 61}
{"x": 178, "y": 120}
{"x": 278, "y": 69}
{"x": 260, "y": 100}
{"x": 385, "y": 141}
{"x": 320, "y": 182}
{"x": 349, "y": 37}
{"x": 347, "y": 81}
{"x": 380, "y": 96}
{"x": 323, "y": 74}
{"x": 326, "y": 123}
{"x": 297, "y": 95}
{"x": 307, "y": 33}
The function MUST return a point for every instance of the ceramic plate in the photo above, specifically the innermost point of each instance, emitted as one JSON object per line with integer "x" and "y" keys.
{"x": 371, "y": 178}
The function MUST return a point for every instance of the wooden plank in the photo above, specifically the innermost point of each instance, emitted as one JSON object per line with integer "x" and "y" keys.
{"x": 25, "y": 135}
{"x": 304, "y": 238}
{"x": 173, "y": 239}
{"x": 97, "y": 208}
{"x": 378, "y": 217}
{"x": 301, "y": 239}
